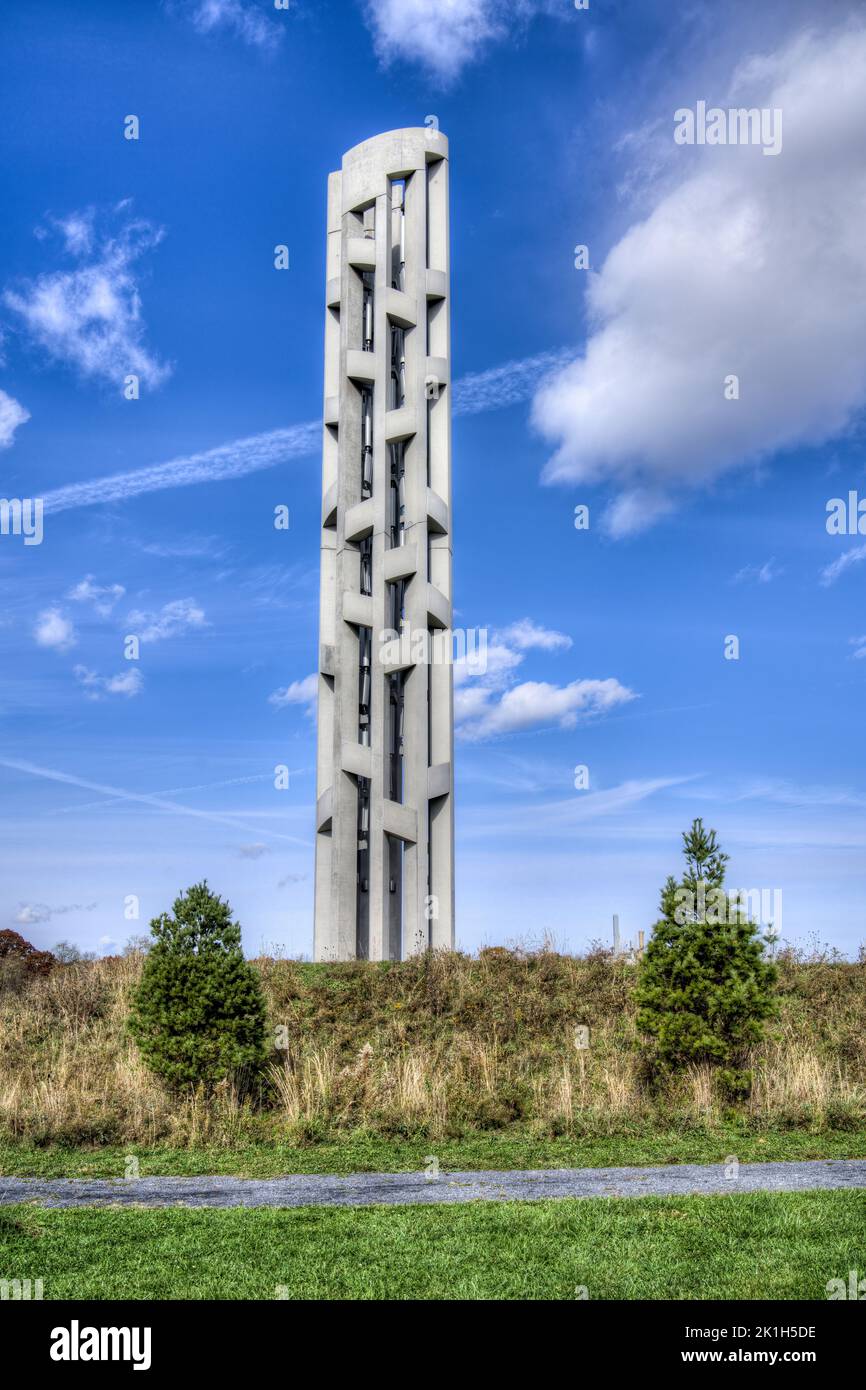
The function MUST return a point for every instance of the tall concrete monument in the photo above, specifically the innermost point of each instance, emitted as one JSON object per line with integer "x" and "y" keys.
{"x": 385, "y": 780}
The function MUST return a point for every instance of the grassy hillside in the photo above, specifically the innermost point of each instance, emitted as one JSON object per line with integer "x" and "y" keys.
{"x": 445, "y": 1047}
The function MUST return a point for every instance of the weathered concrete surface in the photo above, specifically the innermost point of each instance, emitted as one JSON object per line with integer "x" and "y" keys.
{"x": 403, "y": 1189}
{"x": 384, "y": 783}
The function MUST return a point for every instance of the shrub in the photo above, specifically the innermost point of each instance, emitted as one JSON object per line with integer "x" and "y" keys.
{"x": 705, "y": 987}
{"x": 198, "y": 1015}
{"x": 20, "y": 963}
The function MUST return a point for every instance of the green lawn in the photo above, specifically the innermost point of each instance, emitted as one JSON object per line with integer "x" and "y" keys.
{"x": 371, "y": 1153}
{"x": 753, "y": 1246}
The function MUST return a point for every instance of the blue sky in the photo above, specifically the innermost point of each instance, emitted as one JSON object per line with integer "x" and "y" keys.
{"x": 603, "y": 387}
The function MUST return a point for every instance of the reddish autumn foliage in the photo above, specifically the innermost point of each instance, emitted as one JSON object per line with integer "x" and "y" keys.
{"x": 14, "y": 948}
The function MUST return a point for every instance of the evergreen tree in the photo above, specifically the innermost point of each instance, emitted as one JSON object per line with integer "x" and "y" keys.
{"x": 705, "y": 987}
{"x": 198, "y": 1014}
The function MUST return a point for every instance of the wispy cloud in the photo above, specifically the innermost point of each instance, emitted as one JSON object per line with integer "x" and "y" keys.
{"x": 104, "y": 803}
{"x": 128, "y": 683}
{"x": 254, "y": 851}
{"x": 760, "y": 574}
{"x": 508, "y": 384}
{"x": 90, "y": 318}
{"x": 174, "y": 619}
{"x": 291, "y": 878}
{"x": 188, "y": 548}
{"x": 156, "y": 802}
{"x": 855, "y": 556}
{"x": 31, "y": 914}
{"x": 558, "y": 818}
{"x": 859, "y": 645}
{"x": 12, "y": 415}
{"x": 101, "y": 597}
{"x": 777, "y": 791}
{"x": 234, "y": 460}
{"x": 274, "y": 585}
{"x": 244, "y": 21}
{"x": 77, "y": 230}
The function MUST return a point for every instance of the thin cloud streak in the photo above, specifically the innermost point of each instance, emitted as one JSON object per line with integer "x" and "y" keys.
{"x": 831, "y": 572}
{"x": 170, "y": 791}
{"x": 234, "y": 460}
{"x": 508, "y": 384}
{"x": 157, "y": 802}
{"x": 560, "y": 817}
{"x": 502, "y": 386}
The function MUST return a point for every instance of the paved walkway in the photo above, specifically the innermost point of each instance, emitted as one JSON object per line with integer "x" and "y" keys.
{"x": 401, "y": 1189}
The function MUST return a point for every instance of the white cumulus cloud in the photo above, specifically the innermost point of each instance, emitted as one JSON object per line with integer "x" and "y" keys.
{"x": 536, "y": 704}
{"x": 444, "y": 36}
{"x": 494, "y": 662}
{"x": 489, "y": 700}
{"x": 526, "y": 634}
{"x": 54, "y": 630}
{"x": 303, "y": 692}
{"x": 751, "y": 267}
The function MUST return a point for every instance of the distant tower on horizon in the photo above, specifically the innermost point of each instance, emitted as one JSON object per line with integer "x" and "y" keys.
{"x": 385, "y": 766}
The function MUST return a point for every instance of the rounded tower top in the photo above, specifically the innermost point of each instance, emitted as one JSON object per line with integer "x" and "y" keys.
{"x": 395, "y": 154}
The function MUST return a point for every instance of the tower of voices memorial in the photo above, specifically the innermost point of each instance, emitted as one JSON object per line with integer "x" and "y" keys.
{"x": 385, "y": 779}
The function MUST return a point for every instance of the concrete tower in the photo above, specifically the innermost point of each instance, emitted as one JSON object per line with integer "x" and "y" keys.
{"x": 385, "y": 783}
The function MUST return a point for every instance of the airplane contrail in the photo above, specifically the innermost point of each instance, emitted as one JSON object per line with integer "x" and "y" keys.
{"x": 157, "y": 802}
{"x": 493, "y": 389}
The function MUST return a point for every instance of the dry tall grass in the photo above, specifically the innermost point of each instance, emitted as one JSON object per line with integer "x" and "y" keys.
{"x": 433, "y": 1047}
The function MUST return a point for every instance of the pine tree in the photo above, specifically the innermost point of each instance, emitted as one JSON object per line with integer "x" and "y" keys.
{"x": 198, "y": 1014}
{"x": 705, "y": 987}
